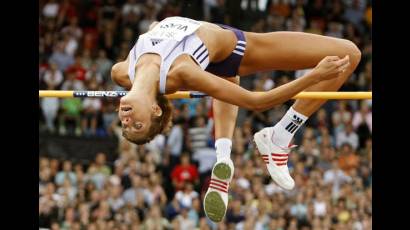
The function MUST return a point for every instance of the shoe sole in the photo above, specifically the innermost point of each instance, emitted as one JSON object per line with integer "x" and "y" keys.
{"x": 214, "y": 205}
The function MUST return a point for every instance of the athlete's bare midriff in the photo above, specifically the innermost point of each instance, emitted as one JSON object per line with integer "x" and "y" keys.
{"x": 219, "y": 42}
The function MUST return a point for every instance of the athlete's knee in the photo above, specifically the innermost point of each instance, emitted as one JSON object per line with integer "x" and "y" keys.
{"x": 354, "y": 52}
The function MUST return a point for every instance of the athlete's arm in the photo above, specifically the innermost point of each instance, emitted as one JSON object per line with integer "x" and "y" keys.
{"x": 197, "y": 79}
{"x": 119, "y": 74}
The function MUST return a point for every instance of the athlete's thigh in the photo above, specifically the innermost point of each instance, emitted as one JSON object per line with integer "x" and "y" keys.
{"x": 289, "y": 51}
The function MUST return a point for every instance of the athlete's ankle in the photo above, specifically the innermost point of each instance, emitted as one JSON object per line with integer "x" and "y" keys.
{"x": 286, "y": 128}
{"x": 223, "y": 149}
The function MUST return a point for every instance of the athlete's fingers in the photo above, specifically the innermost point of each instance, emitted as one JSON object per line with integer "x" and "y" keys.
{"x": 332, "y": 58}
{"x": 342, "y": 61}
{"x": 343, "y": 67}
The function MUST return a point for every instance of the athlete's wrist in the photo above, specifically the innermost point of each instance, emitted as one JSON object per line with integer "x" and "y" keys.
{"x": 313, "y": 76}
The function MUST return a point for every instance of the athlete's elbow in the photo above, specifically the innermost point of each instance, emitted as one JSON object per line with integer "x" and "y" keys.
{"x": 254, "y": 103}
{"x": 259, "y": 108}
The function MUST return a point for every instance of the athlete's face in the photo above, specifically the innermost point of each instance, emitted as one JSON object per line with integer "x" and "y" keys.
{"x": 135, "y": 115}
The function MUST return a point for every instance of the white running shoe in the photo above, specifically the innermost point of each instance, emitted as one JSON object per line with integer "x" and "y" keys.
{"x": 275, "y": 157}
{"x": 216, "y": 198}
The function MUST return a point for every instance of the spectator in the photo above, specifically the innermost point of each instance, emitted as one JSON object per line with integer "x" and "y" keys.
{"x": 347, "y": 136}
{"x": 155, "y": 219}
{"x": 299, "y": 209}
{"x": 69, "y": 220}
{"x": 186, "y": 196}
{"x": 319, "y": 205}
{"x": 87, "y": 63}
{"x": 49, "y": 107}
{"x": 150, "y": 14}
{"x": 70, "y": 44}
{"x": 72, "y": 29}
{"x": 335, "y": 29}
{"x": 109, "y": 115}
{"x": 198, "y": 134}
{"x": 297, "y": 22}
{"x": 348, "y": 160}
{"x": 67, "y": 191}
{"x": 184, "y": 172}
{"x": 100, "y": 163}
{"x": 130, "y": 195}
{"x": 91, "y": 112}
{"x": 66, "y": 173}
{"x": 78, "y": 69}
{"x": 354, "y": 13}
{"x": 70, "y": 117}
{"x": 337, "y": 177}
{"x": 341, "y": 116}
{"x": 103, "y": 65}
{"x": 48, "y": 209}
{"x": 71, "y": 83}
{"x": 173, "y": 209}
{"x": 131, "y": 7}
{"x": 60, "y": 58}
{"x": 154, "y": 194}
{"x": 53, "y": 77}
{"x": 50, "y": 9}
{"x": 115, "y": 200}
{"x": 365, "y": 78}
{"x": 195, "y": 211}
{"x": 185, "y": 223}
{"x": 206, "y": 159}
{"x": 67, "y": 12}
{"x": 175, "y": 141}
{"x": 363, "y": 117}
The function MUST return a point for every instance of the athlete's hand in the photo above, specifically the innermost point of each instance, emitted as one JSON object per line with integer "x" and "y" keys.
{"x": 331, "y": 66}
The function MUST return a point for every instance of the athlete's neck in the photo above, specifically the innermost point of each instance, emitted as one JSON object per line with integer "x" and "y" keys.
{"x": 146, "y": 81}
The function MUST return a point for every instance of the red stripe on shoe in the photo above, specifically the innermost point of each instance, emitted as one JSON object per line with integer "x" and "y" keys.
{"x": 222, "y": 182}
{"x": 279, "y": 154}
{"x": 281, "y": 164}
{"x": 218, "y": 185}
{"x": 219, "y": 189}
{"x": 279, "y": 159}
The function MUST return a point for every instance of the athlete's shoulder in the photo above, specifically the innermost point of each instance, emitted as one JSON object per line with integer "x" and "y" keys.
{"x": 119, "y": 74}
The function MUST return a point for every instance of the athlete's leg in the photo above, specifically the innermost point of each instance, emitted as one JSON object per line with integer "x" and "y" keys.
{"x": 291, "y": 51}
{"x": 225, "y": 116}
{"x": 295, "y": 50}
{"x": 216, "y": 198}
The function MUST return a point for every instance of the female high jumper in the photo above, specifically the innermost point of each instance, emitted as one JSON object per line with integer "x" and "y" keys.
{"x": 183, "y": 54}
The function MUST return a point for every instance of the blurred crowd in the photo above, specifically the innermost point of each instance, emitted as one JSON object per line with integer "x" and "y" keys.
{"x": 161, "y": 185}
